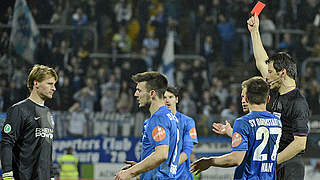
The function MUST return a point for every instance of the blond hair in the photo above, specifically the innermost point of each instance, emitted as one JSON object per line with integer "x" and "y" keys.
{"x": 40, "y": 73}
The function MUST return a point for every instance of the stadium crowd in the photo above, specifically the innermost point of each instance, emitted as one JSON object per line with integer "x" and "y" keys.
{"x": 210, "y": 87}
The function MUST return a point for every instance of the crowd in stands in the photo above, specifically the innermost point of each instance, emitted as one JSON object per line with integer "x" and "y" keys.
{"x": 210, "y": 87}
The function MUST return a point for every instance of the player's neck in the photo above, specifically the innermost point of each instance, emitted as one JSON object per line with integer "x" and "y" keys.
{"x": 155, "y": 105}
{"x": 288, "y": 85}
{"x": 256, "y": 107}
{"x": 36, "y": 98}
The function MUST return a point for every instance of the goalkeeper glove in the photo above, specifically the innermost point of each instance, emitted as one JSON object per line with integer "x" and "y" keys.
{"x": 8, "y": 176}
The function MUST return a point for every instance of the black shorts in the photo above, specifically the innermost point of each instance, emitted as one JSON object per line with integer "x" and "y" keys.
{"x": 292, "y": 169}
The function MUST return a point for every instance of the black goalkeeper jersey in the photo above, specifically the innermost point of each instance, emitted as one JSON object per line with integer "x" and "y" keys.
{"x": 26, "y": 146}
{"x": 293, "y": 110}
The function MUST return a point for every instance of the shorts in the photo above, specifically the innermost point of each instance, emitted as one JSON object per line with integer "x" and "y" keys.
{"x": 292, "y": 169}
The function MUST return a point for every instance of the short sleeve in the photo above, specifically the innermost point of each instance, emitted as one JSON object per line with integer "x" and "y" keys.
{"x": 158, "y": 131}
{"x": 300, "y": 113}
{"x": 240, "y": 136}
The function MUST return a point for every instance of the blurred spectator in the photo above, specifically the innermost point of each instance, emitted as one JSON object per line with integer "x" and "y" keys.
{"x": 86, "y": 98}
{"x": 20, "y": 78}
{"x": 313, "y": 97}
{"x": 125, "y": 98}
{"x": 77, "y": 124}
{"x": 226, "y": 33}
{"x": 187, "y": 105}
{"x": 66, "y": 94}
{"x": 42, "y": 52}
{"x": 151, "y": 43}
{"x": 160, "y": 23}
{"x": 122, "y": 40}
{"x": 108, "y": 101}
{"x": 286, "y": 43}
{"x": 221, "y": 92}
{"x": 79, "y": 19}
{"x": 113, "y": 84}
{"x": 229, "y": 113}
{"x": 266, "y": 25}
{"x": 215, "y": 8}
{"x": 147, "y": 59}
{"x": 123, "y": 11}
{"x": 133, "y": 31}
{"x": 12, "y": 95}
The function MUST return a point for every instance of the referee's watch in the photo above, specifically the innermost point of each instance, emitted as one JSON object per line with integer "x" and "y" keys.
{"x": 8, "y": 176}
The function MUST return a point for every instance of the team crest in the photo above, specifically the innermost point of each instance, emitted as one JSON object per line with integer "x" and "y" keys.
{"x": 7, "y": 128}
{"x": 236, "y": 139}
{"x": 193, "y": 133}
{"x": 158, "y": 133}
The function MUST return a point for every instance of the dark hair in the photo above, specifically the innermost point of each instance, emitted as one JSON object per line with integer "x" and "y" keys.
{"x": 173, "y": 90}
{"x": 257, "y": 90}
{"x": 283, "y": 60}
{"x": 69, "y": 150}
{"x": 154, "y": 81}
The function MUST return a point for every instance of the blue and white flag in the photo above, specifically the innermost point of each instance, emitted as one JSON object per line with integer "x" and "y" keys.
{"x": 24, "y": 32}
{"x": 167, "y": 65}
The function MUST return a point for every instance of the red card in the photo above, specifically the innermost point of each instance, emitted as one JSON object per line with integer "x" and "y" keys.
{"x": 258, "y": 8}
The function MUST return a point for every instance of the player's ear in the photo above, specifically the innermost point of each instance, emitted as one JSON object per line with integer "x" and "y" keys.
{"x": 268, "y": 99}
{"x": 283, "y": 73}
{"x": 35, "y": 84}
{"x": 153, "y": 93}
{"x": 177, "y": 100}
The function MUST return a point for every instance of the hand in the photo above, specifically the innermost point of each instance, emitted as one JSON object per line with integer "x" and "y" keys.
{"x": 8, "y": 176}
{"x": 131, "y": 163}
{"x": 253, "y": 23}
{"x": 123, "y": 175}
{"x": 221, "y": 128}
{"x": 200, "y": 165}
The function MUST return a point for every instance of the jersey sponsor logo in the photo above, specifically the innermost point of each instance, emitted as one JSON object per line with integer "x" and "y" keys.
{"x": 236, "y": 139}
{"x": 44, "y": 132}
{"x": 193, "y": 133}
{"x": 7, "y": 128}
{"x": 36, "y": 118}
{"x": 158, "y": 133}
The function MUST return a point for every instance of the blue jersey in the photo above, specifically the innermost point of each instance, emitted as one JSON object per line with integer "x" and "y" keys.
{"x": 161, "y": 129}
{"x": 259, "y": 134}
{"x": 188, "y": 135}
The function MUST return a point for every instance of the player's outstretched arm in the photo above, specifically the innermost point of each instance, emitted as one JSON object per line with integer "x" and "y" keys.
{"x": 259, "y": 52}
{"x": 152, "y": 161}
{"x": 234, "y": 158}
{"x": 223, "y": 129}
{"x": 296, "y": 146}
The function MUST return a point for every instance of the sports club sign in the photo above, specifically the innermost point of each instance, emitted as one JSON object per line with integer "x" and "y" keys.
{"x": 99, "y": 149}
{"x": 116, "y": 150}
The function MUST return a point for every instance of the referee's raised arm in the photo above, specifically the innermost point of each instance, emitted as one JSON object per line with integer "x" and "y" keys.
{"x": 259, "y": 52}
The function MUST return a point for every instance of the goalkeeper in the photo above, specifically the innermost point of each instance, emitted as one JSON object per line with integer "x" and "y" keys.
{"x": 27, "y": 134}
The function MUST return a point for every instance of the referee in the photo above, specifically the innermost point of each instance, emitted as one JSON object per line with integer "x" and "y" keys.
{"x": 288, "y": 103}
{"x": 27, "y": 134}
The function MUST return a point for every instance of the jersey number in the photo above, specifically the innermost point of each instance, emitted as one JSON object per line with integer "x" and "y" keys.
{"x": 258, "y": 156}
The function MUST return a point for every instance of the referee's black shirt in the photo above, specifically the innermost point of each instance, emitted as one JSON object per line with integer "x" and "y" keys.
{"x": 26, "y": 146}
{"x": 293, "y": 110}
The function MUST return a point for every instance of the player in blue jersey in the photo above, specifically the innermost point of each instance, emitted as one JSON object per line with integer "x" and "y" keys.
{"x": 188, "y": 133}
{"x": 160, "y": 141}
{"x": 255, "y": 138}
